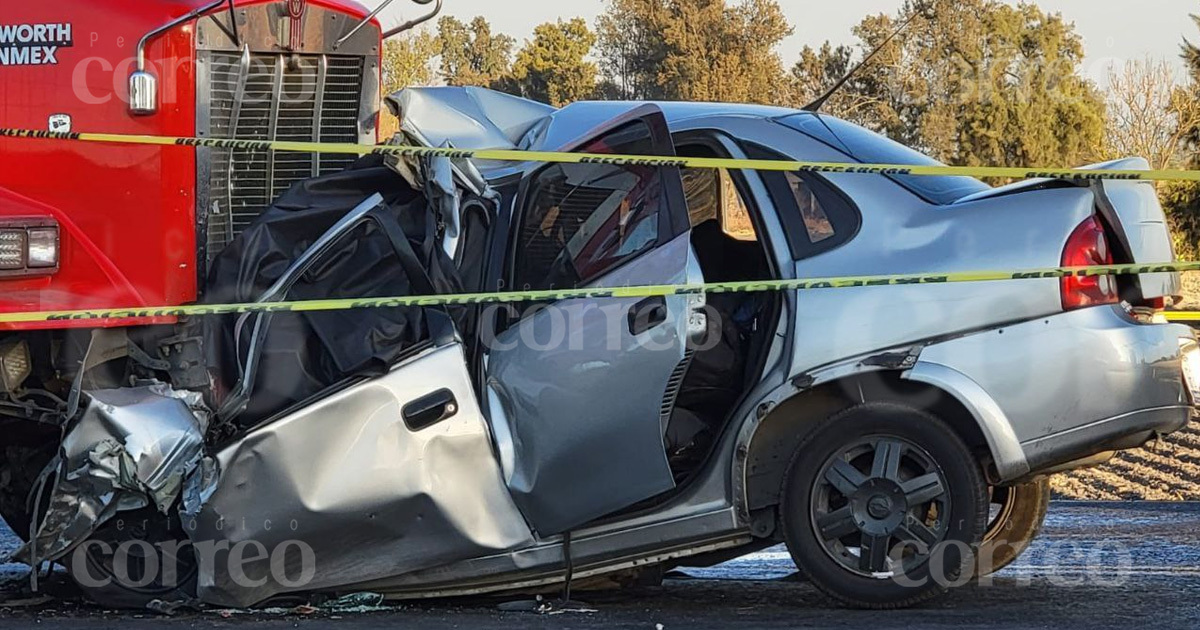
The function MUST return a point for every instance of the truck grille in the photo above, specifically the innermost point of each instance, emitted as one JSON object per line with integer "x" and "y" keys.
{"x": 306, "y": 98}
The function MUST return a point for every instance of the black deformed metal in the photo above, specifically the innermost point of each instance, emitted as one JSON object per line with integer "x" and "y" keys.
{"x": 303, "y": 354}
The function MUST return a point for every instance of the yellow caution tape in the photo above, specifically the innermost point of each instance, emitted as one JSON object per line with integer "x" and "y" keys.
{"x": 619, "y": 292}
{"x": 805, "y": 284}
{"x": 599, "y": 158}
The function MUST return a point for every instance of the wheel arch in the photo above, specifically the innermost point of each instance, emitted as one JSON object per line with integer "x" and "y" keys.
{"x": 769, "y": 442}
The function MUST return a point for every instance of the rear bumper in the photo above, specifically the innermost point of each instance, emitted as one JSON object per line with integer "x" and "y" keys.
{"x": 1052, "y": 390}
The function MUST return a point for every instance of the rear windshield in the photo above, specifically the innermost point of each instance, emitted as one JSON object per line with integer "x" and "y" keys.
{"x": 868, "y": 147}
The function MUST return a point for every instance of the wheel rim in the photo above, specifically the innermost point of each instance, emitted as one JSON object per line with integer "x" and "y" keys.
{"x": 1000, "y": 509}
{"x": 880, "y": 506}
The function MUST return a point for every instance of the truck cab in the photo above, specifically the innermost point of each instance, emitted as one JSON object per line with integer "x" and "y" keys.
{"x": 138, "y": 225}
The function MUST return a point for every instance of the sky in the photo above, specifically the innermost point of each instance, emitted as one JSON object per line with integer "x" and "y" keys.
{"x": 1113, "y": 30}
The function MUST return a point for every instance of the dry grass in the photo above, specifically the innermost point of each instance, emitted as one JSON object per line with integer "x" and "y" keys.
{"x": 1191, "y": 292}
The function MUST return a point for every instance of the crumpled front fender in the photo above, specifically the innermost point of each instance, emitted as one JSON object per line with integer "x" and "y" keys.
{"x": 131, "y": 448}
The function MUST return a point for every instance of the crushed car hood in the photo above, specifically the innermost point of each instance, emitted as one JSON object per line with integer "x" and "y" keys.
{"x": 466, "y": 117}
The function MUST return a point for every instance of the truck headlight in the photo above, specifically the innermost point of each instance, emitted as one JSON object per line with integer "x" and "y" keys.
{"x": 12, "y": 249}
{"x": 43, "y": 247}
{"x": 28, "y": 247}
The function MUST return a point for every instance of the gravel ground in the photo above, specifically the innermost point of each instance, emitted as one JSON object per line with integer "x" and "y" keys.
{"x": 1098, "y": 565}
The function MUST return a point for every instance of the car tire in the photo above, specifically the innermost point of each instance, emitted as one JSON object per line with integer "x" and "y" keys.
{"x": 1016, "y": 515}
{"x": 105, "y": 587}
{"x": 883, "y": 506}
{"x": 20, "y": 467}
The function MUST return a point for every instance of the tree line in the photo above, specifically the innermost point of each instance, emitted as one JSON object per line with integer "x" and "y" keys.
{"x": 970, "y": 82}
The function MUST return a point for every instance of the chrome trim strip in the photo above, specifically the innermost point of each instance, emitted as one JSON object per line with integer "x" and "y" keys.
{"x": 322, "y": 78}
{"x": 234, "y": 120}
{"x": 273, "y": 128}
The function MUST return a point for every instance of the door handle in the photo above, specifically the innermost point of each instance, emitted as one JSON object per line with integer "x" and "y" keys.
{"x": 427, "y": 411}
{"x": 647, "y": 314}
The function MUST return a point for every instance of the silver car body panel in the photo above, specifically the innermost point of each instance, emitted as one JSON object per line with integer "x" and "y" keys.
{"x": 583, "y": 408}
{"x": 1008, "y": 456}
{"x": 836, "y": 324}
{"x": 132, "y": 448}
{"x": 1035, "y": 378}
{"x": 466, "y": 117}
{"x": 371, "y": 497}
{"x": 1144, "y": 224}
{"x": 1139, "y": 215}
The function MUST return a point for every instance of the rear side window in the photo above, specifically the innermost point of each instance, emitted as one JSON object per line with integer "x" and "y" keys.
{"x": 816, "y": 220}
{"x": 582, "y": 220}
{"x": 816, "y": 215}
{"x": 866, "y": 146}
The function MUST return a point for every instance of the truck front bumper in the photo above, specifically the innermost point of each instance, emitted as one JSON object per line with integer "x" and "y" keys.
{"x": 1056, "y": 389}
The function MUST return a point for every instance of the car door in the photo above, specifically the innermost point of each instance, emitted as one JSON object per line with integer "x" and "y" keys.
{"x": 579, "y": 390}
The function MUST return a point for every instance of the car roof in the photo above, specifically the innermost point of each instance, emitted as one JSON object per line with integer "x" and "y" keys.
{"x": 479, "y": 118}
{"x": 575, "y": 121}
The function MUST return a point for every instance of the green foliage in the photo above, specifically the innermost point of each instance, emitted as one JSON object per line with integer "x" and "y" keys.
{"x": 408, "y": 60}
{"x": 1182, "y": 203}
{"x": 817, "y": 71}
{"x": 553, "y": 66}
{"x": 971, "y": 82}
{"x": 631, "y": 48}
{"x": 702, "y": 50}
{"x": 472, "y": 54}
{"x": 1182, "y": 199}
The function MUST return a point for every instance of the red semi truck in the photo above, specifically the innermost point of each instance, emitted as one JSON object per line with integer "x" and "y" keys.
{"x": 96, "y": 226}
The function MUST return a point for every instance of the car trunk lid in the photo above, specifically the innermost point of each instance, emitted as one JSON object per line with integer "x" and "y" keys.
{"x": 1132, "y": 210}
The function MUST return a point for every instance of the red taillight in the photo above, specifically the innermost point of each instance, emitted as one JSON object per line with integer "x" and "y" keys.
{"x": 1088, "y": 246}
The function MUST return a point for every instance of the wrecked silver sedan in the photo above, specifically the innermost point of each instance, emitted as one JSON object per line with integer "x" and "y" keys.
{"x": 433, "y": 451}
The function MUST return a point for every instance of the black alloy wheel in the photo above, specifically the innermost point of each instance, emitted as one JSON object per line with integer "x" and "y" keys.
{"x": 883, "y": 506}
{"x": 877, "y": 494}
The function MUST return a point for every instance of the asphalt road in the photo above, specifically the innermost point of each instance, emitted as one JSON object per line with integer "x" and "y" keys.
{"x": 1097, "y": 565}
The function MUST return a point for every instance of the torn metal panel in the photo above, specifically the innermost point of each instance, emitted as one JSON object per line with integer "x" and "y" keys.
{"x": 466, "y": 117}
{"x": 447, "y": 183}
{"x": 131, "y": 448}
{"x": 349, "y": 485}
{"x": 446, "y": 199}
